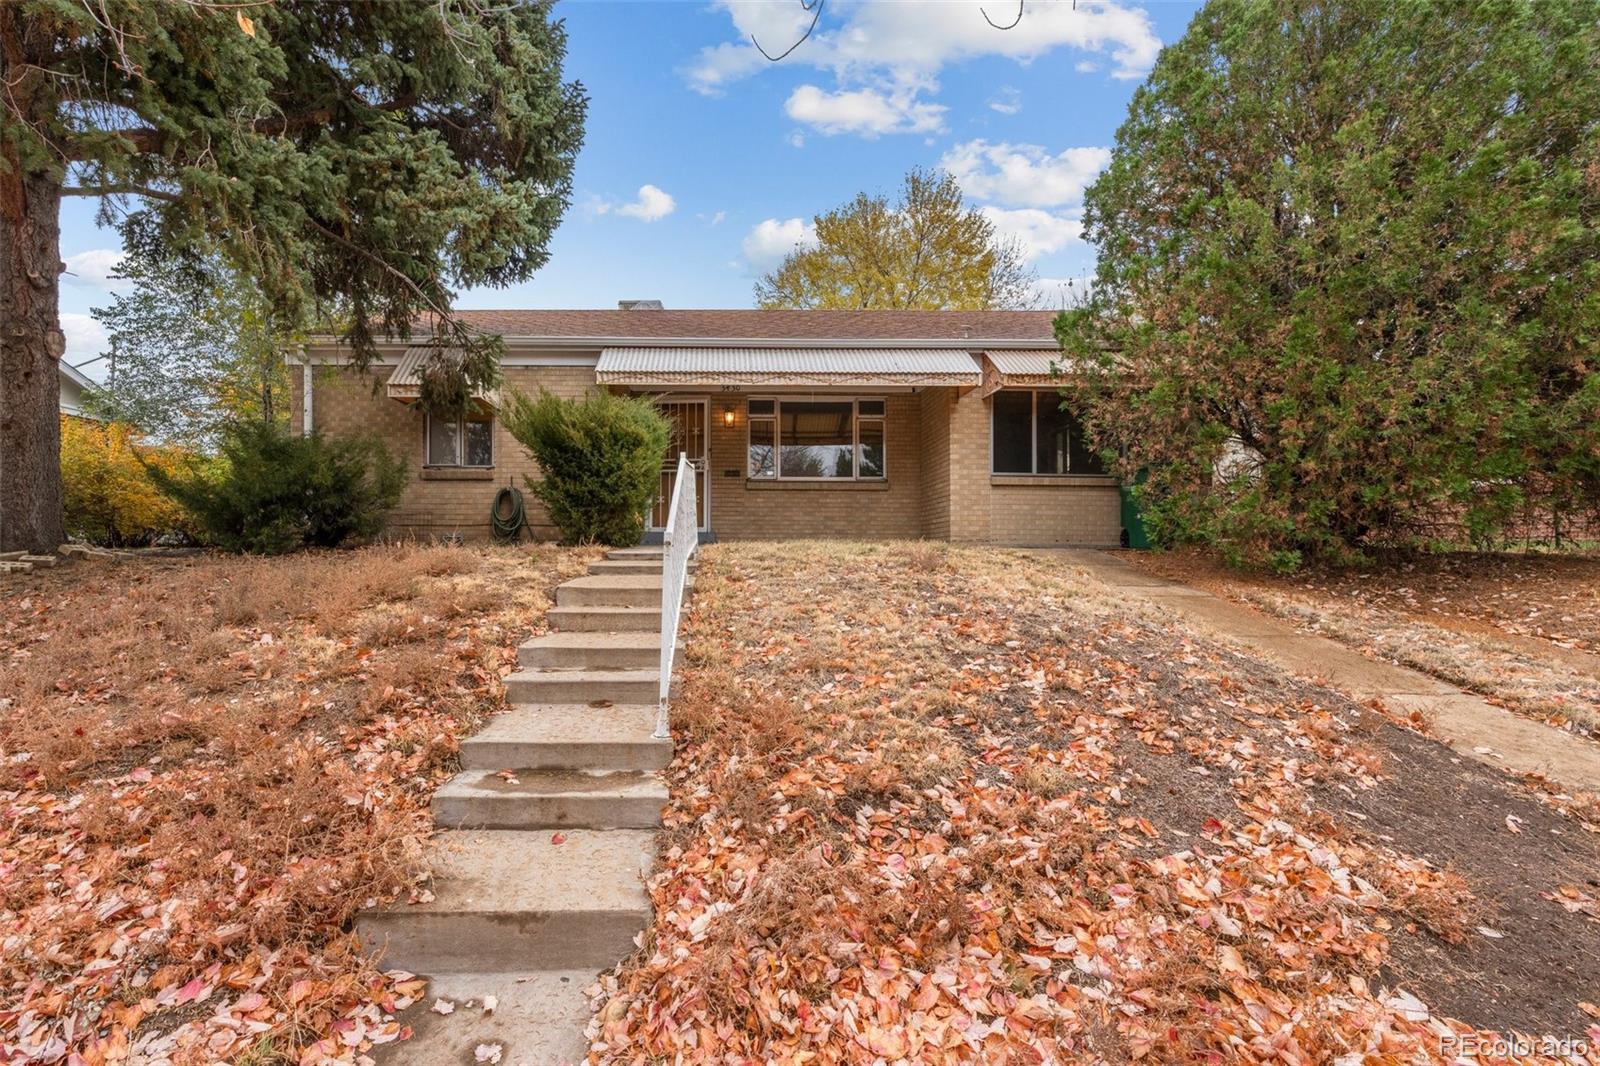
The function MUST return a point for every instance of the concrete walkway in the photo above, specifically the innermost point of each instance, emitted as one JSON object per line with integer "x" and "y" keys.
{"x": 548, "y": 831}
{"x": 1467, "y": 723}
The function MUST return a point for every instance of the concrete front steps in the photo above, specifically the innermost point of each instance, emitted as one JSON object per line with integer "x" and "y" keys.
{"x": 516, "y": 902}
{"x": 551, "y": 799}
{"x": 629, "y": 566}
{"x": 548, "y": 832}
{"x": 592, "y": 651}
{"x": 595, "y": 687}
{"x": 569, "y": 736}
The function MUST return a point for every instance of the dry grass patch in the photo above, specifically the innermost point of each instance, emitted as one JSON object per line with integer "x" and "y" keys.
{"x": 946, "y": 805}
{"x": 208, "y": 765}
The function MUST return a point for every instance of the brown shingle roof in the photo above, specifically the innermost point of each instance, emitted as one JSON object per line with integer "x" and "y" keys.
{"x": 770, "y": 325}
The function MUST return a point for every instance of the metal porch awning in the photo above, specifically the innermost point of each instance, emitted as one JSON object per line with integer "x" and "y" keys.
{"x": 787, "y": 366}
{"x": 1021, "y": 368}
{"x": 405, "y": 382}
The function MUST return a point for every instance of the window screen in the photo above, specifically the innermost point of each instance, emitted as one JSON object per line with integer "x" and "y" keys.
{"x": 1053, "y": 436}
{"x": 477, "y": 442}
{"x": 1013, "y": 432}
{"x": 1033, "y": 435}
{"x": 465, "y": 441}
{"x": 444, "y": 442}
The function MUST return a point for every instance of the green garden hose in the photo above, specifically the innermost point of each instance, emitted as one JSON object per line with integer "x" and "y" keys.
{"x": 507, "y": 515}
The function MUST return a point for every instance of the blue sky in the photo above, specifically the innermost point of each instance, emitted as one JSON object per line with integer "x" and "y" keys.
{"x": 703, "y": 163}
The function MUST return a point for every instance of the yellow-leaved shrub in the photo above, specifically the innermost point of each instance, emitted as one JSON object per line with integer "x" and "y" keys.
{"x": 110, "y": 498}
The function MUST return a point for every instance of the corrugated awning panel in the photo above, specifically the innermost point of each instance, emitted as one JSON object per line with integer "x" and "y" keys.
{"x": 1018, "y": 363}
{"x": 787, "y": 366}
{"x": 405, "y": 381}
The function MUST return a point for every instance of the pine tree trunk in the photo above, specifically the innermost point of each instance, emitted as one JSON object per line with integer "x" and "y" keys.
{"x": 31, "y": 343}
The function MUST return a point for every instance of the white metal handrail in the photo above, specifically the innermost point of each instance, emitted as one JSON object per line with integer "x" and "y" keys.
{"x": 679, "y": 541}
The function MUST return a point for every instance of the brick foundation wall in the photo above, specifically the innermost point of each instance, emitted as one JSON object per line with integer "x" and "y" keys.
{"x": 1086, "y": 513}
{"x": 437, "y": 502}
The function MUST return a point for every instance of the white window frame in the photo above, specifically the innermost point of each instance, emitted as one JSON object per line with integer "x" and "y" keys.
{"x": 1033, "y": 441}
{"x": 461, "y": 439}
{"x": 856, "y": 418}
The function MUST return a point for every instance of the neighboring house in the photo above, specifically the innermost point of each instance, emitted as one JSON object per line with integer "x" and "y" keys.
{"x": 74, "y": 386}
{"x": 868, "y": 424}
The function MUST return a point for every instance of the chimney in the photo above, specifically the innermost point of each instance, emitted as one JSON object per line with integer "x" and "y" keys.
{"x": 639, "y": 305}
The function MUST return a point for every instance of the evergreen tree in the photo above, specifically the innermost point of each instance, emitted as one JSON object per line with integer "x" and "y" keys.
{"x": 1349, "y": 274}
{"x": 372, "y": 154}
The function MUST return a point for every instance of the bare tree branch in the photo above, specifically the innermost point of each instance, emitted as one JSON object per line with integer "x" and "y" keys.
{"x": 344, "y": 242}
{"x": 120, "y": 190}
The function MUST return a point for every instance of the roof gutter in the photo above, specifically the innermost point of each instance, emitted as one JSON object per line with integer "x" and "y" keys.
{"x": 959, "y": 343}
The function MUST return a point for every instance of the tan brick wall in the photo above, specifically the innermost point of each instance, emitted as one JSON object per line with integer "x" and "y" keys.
{"x": 438, "y": 503}
{"x": 741, "y": 508}
{"x": 938, "y": 486}
{"x": 935, "y": 445}
{"x": 1032, "y": 512}
{"x": 1056, "y": 514}
{"x": 969, "y": 469}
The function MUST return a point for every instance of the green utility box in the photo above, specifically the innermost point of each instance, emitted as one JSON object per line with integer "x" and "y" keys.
{"x": 1133, "y": 531}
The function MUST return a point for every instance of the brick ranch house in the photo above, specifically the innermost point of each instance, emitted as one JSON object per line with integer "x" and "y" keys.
{"x": 861, "y": 424}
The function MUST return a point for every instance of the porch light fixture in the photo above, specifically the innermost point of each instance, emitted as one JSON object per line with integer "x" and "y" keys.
{"x": 727, "y": 417}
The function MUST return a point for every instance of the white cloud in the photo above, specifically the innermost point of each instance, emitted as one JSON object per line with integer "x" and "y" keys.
{"x": 770, "y": 240}
{"x": 1038, "y": 232}
{"x": 651, "y": 205}
{"x": 867, "y": 112}
{"x": 796, "y": 139}
{"x": 94, "y": 268}
{"x": 1086, "y": 66}
{"x": 907, "y": 44}
{"x": 1008, "y": 101}
{"x": 86, "y": 338}
{"x": 1024, "y": 174}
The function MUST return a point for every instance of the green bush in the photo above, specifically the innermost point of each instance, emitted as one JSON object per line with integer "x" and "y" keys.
{"x": 270, "y": 492}
{"x": 600, "y": 457}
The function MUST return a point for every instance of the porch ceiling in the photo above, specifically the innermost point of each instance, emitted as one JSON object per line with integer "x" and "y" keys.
{"x": 787, "y": 366}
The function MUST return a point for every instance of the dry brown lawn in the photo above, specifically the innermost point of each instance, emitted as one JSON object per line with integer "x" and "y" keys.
{"x": 208, "y": 764}
{"x": 1521, "y": 630}
{"x": 948, "y": 805}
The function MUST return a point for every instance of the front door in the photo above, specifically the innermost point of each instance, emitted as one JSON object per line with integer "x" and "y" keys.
{"x": 690, "y": 433}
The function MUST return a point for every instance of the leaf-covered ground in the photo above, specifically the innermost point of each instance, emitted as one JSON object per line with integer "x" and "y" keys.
{"x": 207, "y": 765}
{"x": 1521, "y": 630}
{"x": 949, "y": 805}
